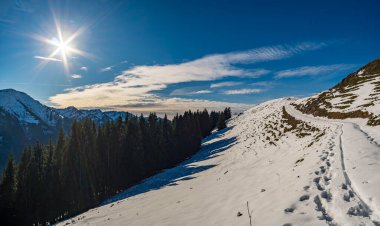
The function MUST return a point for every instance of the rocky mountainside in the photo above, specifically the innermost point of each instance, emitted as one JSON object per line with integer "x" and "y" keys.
{"x": 356, "y": 96}
{"x": 24, "y": 120}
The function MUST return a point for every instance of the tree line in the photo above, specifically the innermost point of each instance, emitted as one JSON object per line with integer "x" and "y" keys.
{"x": 54, "y": 181}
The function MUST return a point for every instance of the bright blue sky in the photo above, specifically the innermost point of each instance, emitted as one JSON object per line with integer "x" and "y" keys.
{"x": 174, "y": 55}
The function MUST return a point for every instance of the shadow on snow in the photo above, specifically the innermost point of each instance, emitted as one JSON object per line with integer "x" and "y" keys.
{"x": 182, "y": 172}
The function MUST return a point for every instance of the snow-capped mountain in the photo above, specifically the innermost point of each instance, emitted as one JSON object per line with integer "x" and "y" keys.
{"x": 26, "y": 109}
{"x": 24, "y": 120}
{"x": 30, "y": 111}
{"x": 96, "y": 115}
{"x": 275, "y": 164}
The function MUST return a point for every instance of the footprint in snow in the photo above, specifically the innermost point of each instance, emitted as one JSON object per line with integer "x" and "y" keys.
{"x": 304, "y": 197}
{"x": 319, "y": 186}
{"x": 289, "y": 210}
{"x": 326, "y": 195}
{"x": 347, "y": 197}
{"x": 323, "y": 169}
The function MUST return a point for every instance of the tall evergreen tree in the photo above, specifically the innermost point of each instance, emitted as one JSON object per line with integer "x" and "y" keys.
{"x": 221, "y": 124}
{"x": 8, "y": 188}
{"x": 91, "y": 163}
{"x": 24, "y": 196}
{"x": 227, "y": 113}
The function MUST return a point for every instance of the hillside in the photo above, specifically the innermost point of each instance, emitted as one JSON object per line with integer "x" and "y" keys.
{"x": 291, "y": 168}
{"x": 356, "y": 96}
{"x": 312, "y": 161}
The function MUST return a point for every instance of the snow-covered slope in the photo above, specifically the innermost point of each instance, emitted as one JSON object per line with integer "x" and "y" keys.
{"x": 356, "y": 96}
{"x": 287, "y": 168}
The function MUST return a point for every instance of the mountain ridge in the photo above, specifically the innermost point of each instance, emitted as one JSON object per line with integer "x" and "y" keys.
{"x": 355, "y": 96}
{"x": 24, "y": 120}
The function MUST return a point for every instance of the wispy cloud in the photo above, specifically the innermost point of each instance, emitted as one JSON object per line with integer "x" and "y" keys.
{"x": 263, "y": 83}
{"x": 225, "y": 84}
{"x": 24, "y": 6}
{"x": 242, "y": 91}
{"x": 203, "y": 91}
{"x": 312, "y": 70}
{"x": 188, "y": 92}
{"x": 47, "y": 58}
{"x": 76, "y": 76}
{"x": 83, "y": 68}
{"x": 6, "y": 21}
{"x": 136, "y": 84}
{"x": 106, "y": 69}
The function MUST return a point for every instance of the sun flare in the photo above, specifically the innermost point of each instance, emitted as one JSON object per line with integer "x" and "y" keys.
{"x": 63, "y": 43}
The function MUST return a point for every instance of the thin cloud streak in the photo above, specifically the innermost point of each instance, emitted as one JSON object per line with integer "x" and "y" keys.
{"x": 188, "y": 92}
{"x": 242, "y": 91}
{"x": 263, "y": 84}
{"x": 76, "y": 76}
{"x": 203, "y": 92}
{"x": 312, "y": 70}
{"x": 225, "y": 84}
{"x": 47, "y": 58}
{"x": 106, "y": 69}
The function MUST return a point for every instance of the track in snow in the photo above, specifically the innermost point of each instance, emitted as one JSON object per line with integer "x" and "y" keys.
{"x": 364, "y": 207}
{"x": 367, "y": 211}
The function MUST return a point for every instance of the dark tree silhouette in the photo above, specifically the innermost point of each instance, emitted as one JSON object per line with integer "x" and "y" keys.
{"x": 55, "y": 181}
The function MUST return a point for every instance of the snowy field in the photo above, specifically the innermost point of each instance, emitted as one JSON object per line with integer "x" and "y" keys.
{"x": 290, "y": 168}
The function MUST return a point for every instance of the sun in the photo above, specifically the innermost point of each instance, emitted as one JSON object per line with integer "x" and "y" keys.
{"x": 63, "y": 43}
{"x": 64, "y": 48}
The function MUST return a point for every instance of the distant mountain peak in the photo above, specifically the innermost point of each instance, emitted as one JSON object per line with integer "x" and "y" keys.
{"x": 24, "y": 120}
{"x": 30, "y": 111}
{"x": 72, "y": 108}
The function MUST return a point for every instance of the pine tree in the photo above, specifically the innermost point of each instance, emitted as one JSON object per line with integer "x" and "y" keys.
{"x": 71, "y": 175}
{"x": 56, "y": 175}
{"x": 214, "y": 116}
{"x": 37, "y": 183}
{"x": 166, "y": 141}
{"x": 59, "y": 151}
{"x": 227, "y": 113}
{"x": 205, "y": 123}
{"x": 48, "y": 179}
{"x": 24, "y": 199}
{"x": 8, "y": 188}
{"x": 93, "y": 163}
{"x": 221, "y": 124}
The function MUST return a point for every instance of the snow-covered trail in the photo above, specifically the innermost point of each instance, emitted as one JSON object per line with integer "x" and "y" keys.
{"x": 294, "y": 177}
{"x": 360, "y": 162}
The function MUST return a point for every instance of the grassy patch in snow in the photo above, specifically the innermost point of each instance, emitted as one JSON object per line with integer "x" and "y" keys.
{"x": 323, "y": 105}
{"x": 298, "y": 127}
